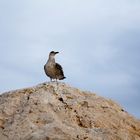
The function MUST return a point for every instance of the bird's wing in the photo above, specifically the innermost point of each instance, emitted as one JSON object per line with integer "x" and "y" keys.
{"x": 59, "y": 68}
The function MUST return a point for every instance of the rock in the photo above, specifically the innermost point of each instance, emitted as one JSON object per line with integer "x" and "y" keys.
{"x": 56, "y": 111}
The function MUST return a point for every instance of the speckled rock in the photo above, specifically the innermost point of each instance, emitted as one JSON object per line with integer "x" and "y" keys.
{"x": 56, "y": 111}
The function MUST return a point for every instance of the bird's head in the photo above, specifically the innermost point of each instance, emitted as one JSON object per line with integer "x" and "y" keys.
{"x": 52, "y": 53}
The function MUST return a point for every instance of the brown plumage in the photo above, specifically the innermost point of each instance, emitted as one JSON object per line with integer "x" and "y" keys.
{"x": 52, "y": 69}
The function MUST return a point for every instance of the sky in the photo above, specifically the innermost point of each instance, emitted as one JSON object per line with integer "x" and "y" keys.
{"x": 98, "y": 41}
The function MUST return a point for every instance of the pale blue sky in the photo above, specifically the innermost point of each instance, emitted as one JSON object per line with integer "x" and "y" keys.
{"x": 98, "y": 41}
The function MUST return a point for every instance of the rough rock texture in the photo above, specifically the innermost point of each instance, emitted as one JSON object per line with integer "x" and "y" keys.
{"x": 55, "y": 111}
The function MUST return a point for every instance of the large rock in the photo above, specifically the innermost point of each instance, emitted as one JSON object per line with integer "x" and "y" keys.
{"x": 55, "y": 111}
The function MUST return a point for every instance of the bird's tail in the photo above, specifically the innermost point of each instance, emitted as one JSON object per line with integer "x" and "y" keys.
{"x": 62, "y": 78}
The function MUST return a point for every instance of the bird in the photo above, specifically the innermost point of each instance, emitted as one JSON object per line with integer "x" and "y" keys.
{"x": 53, "y": 69}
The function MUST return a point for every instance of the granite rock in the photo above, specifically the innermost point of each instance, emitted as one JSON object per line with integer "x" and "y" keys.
{"x": 56, "y": 111}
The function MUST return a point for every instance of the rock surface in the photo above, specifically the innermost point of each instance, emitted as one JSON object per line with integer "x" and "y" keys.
{"x": 56, "y": 111}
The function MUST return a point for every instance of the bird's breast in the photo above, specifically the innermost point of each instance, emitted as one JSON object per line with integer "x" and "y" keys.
{"x": 50, "y": 69}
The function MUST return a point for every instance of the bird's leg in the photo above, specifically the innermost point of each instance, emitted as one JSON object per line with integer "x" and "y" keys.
{"x": 51, "y": 79}
{"x": 57, "y": 84}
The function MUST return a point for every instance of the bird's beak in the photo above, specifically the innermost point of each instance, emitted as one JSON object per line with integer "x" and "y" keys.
{"x": 56, "y": 52}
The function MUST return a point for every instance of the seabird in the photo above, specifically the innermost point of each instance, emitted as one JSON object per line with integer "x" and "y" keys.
{"x": 53, "y": 69}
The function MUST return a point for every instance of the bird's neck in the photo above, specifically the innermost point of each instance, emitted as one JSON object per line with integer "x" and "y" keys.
{"x": 51, "y": 59}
